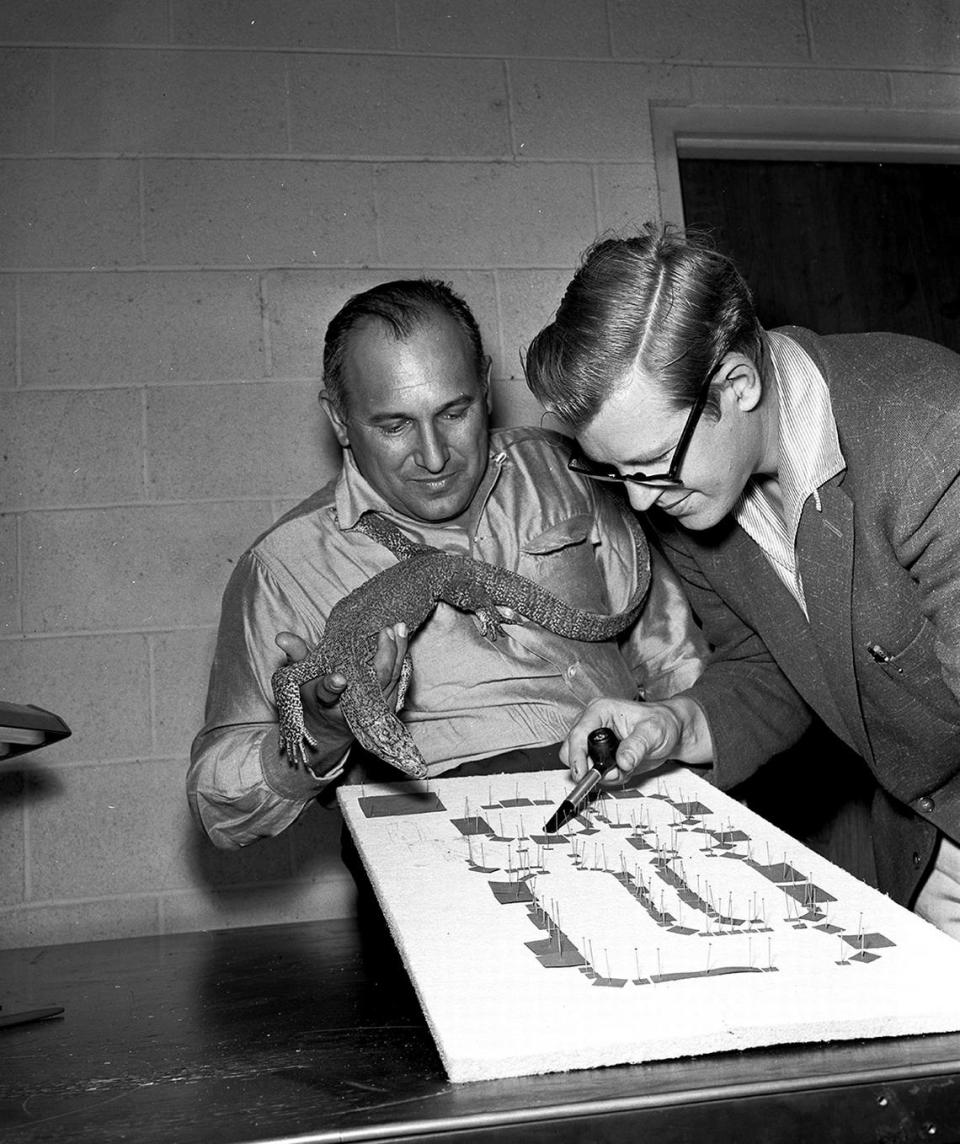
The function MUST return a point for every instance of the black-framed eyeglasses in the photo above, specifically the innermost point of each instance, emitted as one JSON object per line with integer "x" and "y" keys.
{"x": 580, "y": 463}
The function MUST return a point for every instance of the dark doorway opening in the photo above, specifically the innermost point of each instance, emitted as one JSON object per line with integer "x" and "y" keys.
{"x": 838, "y": 247}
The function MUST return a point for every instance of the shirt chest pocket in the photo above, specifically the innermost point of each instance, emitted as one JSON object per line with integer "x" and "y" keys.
{"x": 563, "y": 560}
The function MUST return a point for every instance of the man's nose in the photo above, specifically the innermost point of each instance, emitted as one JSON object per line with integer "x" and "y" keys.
{"x": 432, "y": 452}
{"x": 642, "y": 497}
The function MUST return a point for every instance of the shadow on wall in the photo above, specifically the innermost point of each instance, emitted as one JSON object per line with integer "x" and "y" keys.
{"x": 21, "y": 784}
{"x": 20, "y": 781}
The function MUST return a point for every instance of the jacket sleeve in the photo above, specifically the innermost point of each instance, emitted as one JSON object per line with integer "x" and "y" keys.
{"x": 753, "y": 710}
{"x": 926, "y": 537}
{"x": 239, "y": 786}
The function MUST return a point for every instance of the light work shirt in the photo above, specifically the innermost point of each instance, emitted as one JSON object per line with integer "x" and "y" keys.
{"x": 809, "y": 455}
{"x": 469, "y": 697}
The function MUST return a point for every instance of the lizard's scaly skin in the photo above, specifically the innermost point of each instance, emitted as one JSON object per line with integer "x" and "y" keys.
{"x": 409, "y": 591}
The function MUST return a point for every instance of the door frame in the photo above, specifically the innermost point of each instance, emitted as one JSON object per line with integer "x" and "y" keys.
{"x": 811, "y": 133}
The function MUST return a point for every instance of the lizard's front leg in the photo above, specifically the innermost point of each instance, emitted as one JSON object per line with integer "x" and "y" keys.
{"x": 286, "y": 683}
{"x": 466, "y": 592}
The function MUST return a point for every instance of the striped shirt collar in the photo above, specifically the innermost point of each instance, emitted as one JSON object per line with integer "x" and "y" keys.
{"x": 809, "y": 455}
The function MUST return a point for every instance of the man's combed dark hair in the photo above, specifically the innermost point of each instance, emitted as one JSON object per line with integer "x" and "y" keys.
{"x": 403, "y": 306}
{"x": 665, "y": 303}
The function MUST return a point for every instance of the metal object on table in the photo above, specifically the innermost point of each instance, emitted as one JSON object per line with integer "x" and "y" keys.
{"x": 24, "y": 727}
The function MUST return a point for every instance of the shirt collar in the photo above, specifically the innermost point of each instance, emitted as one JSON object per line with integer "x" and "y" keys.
{"x": 808, "y": 445}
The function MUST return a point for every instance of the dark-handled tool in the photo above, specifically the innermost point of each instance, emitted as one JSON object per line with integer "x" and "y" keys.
{"x": 602, "y": 750}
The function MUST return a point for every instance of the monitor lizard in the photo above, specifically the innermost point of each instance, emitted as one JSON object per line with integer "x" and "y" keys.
{"x": 409, "y": 591}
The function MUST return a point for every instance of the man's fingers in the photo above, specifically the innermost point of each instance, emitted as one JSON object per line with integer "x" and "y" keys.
{"x": 573, "y": 753}
{"x": 392, "y": 643}
{"x": 325, "y": 690}
{"x": 402, "y": 640}
{"x": 647, "y": 745}
{"x": 328, "y": 688}
{"x": 633, "y": 751}
{"x": 647, "y": 737}
{"x": 292, "y": 646}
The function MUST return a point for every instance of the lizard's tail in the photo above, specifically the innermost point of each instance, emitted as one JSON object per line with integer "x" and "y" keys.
{"x": 541, "y": 606}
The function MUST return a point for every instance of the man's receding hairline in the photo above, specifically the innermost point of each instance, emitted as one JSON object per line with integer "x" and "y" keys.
{"x": 434, "y": 315}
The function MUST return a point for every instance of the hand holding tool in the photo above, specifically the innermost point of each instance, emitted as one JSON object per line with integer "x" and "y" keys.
{"x": 602, "y": 750}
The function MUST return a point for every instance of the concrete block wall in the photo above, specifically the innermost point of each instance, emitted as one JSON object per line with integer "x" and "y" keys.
{"x": 188, "y": 190}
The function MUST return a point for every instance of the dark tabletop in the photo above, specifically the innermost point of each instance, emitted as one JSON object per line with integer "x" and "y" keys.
{"x": 313, "y": 1032}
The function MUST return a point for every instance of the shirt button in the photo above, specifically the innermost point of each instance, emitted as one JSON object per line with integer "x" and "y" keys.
{"x": 571, "y": 671}
{"x": 926, "y": 804}
{"x": 916, "y": 859}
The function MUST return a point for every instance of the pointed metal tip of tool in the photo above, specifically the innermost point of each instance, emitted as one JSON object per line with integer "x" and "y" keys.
{"x": 560, "y": 817}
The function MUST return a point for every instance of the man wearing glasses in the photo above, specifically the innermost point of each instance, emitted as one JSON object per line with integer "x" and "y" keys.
{"x": 806, "y": 489}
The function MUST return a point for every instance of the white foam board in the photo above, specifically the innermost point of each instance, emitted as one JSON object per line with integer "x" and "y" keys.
{"x": 665, "y": 921}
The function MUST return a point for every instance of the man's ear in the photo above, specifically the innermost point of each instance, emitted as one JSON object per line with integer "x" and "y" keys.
{"x": 488, "y": 394}
{"x": 336, "y": 419}
{"x": 743, "y": 380}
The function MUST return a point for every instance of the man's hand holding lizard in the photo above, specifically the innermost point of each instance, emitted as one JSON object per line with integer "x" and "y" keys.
{"x": 321, "y": 696}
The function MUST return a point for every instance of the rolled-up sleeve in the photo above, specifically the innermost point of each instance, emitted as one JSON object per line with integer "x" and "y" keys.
{"x": 239, "y": 786}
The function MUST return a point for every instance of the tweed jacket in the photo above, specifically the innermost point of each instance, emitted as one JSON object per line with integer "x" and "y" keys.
{"x": 879, "y": 657}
